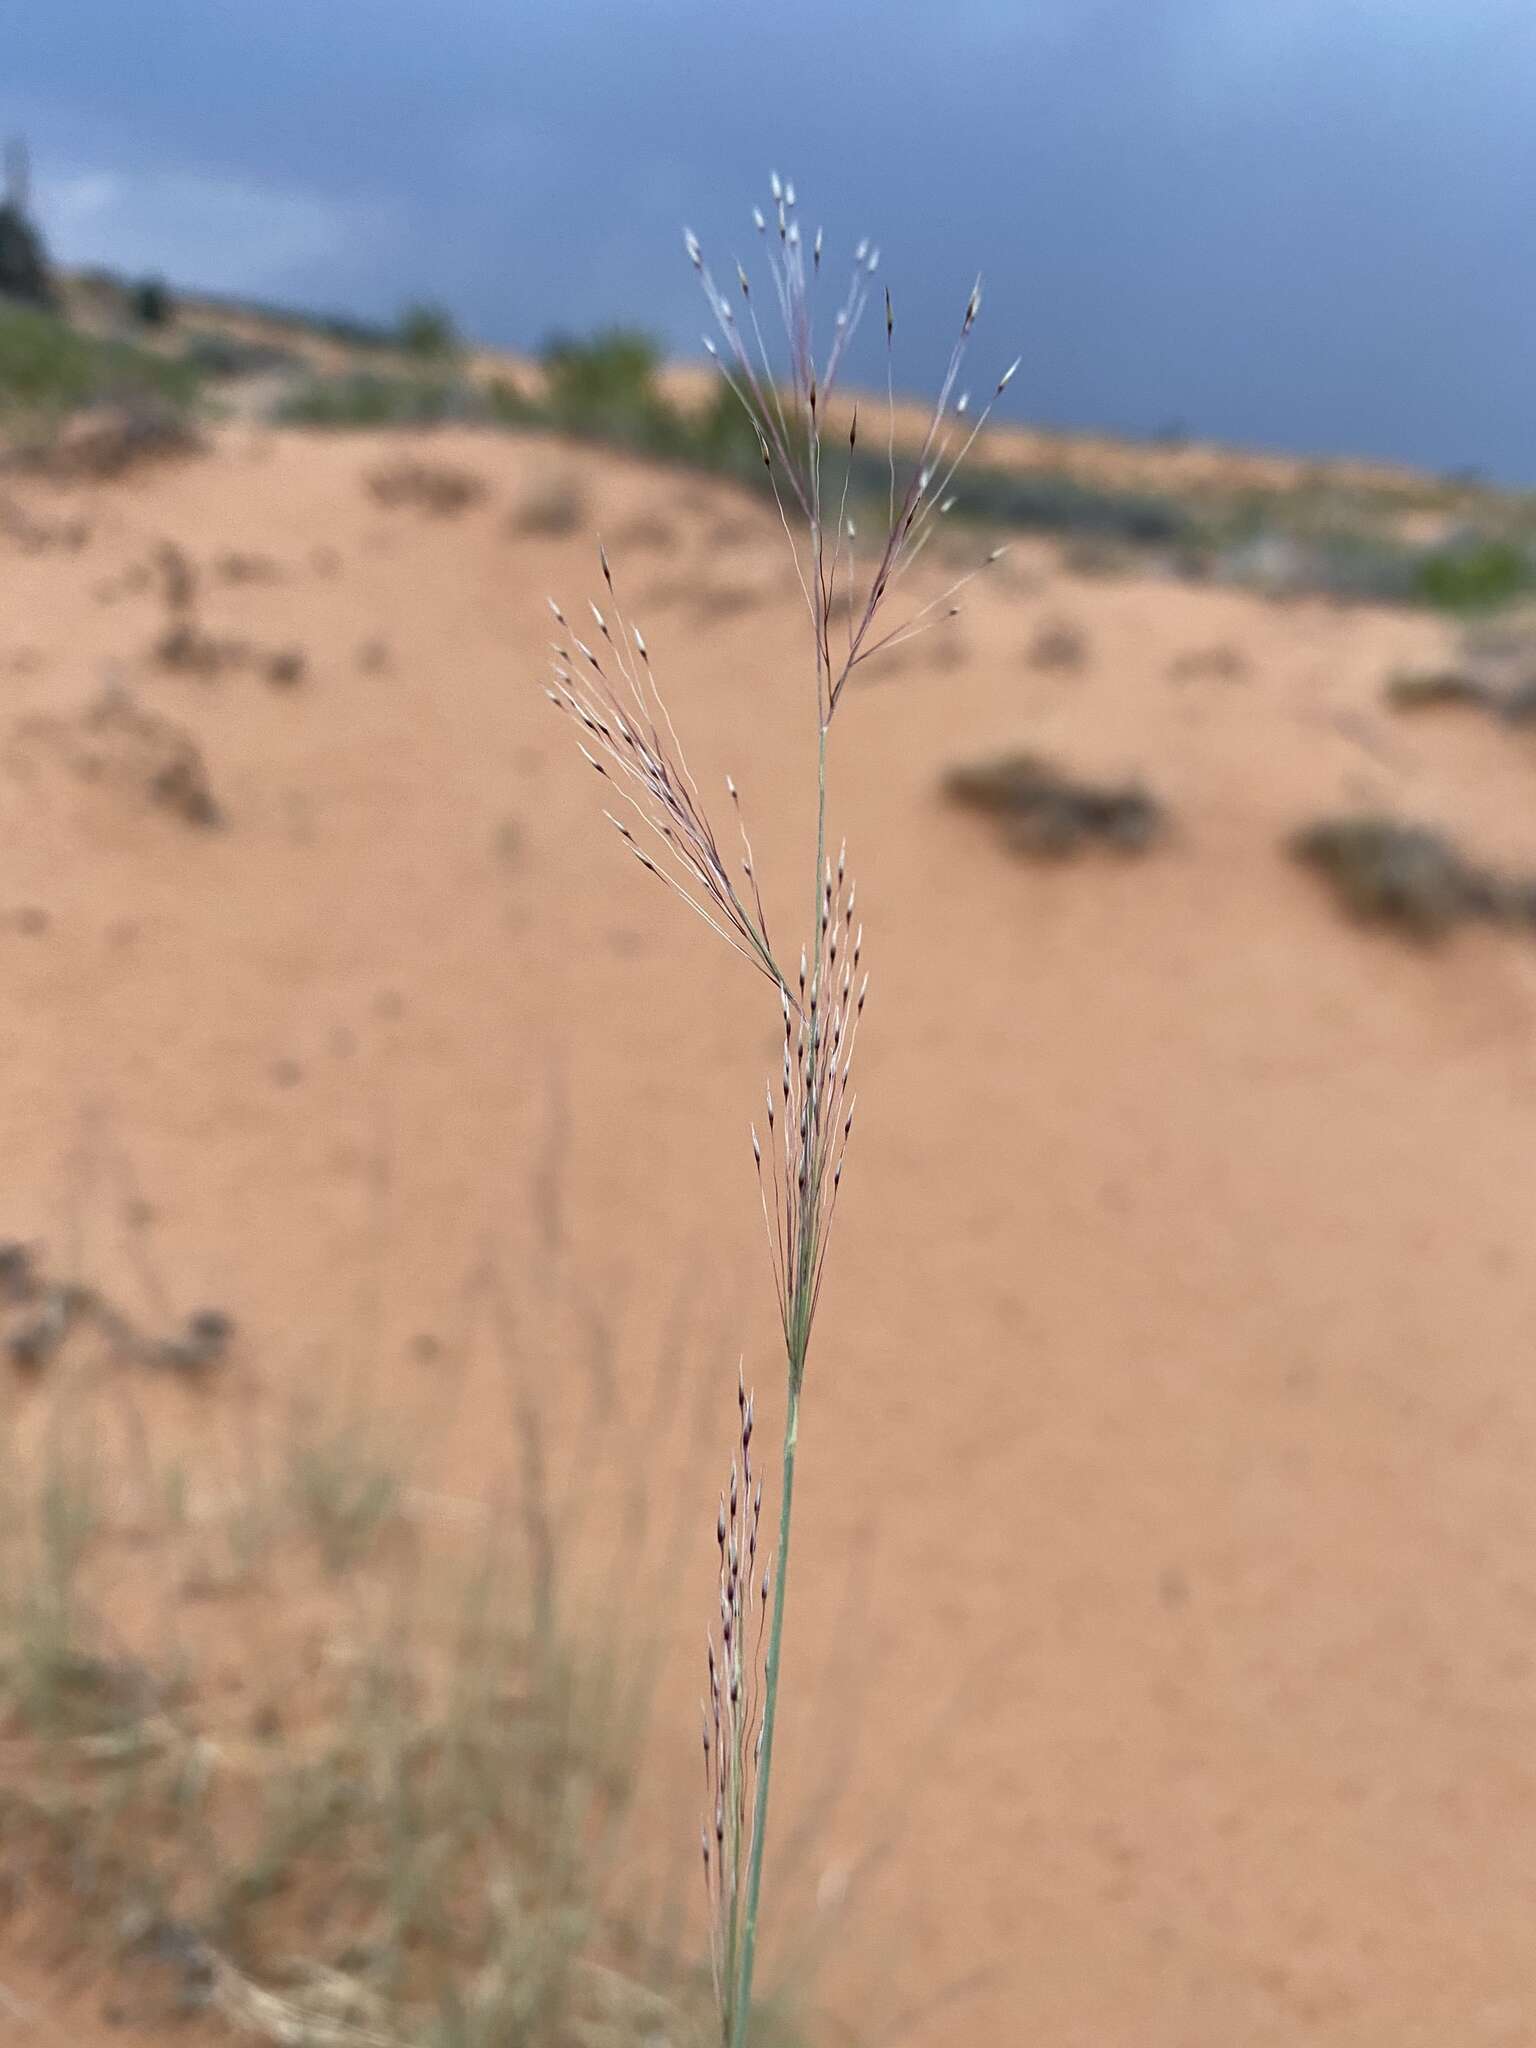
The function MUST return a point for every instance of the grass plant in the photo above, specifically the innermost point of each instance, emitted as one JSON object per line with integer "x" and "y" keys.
{"x": 626, "y": 733}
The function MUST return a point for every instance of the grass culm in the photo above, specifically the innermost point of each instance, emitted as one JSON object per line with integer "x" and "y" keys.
{"x": 627, "y": 735}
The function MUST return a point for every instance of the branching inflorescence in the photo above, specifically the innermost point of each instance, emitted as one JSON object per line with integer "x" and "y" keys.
{"x": 628, "y": 736}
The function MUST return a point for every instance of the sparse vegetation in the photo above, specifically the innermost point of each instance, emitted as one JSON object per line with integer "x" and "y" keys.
{"x": 186, "y": 646}
{"x": 1048, "y": 814}
{"x": 110, "y": 441}
{"x": 1410, "y": 877}
{"x": 341, "y": 1763}
{"x": 209, "y": 353}
{"x": 49, "y": 369}
{"x": 1476, "y": 574}
{"x": 1220, "y": 663}
{"x": 434, "y": 1803}
{"x": 35, "y": 536}
{"x": 117, "y": 745}
{"x": 552, "y": 510}
{"x": 369, "y": 398}
{"x": 153, "y": 305}
{"x": 1059, "y": 644}
{"x": 345, "y": 1492}
{"x": 606, "y": 388}
{"x": 605, "y": 385}
{"x": 428, "y": 331}
{"x": 1433, "y": 689}
{"x": 436, "y": 488}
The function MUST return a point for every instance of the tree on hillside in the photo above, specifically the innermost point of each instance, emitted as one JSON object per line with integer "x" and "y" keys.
{"x": 427, "y": 331}
{"x": 24, "y": 271}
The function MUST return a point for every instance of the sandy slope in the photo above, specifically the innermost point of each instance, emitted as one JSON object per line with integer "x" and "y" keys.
{"x": 1167, "y": 1582}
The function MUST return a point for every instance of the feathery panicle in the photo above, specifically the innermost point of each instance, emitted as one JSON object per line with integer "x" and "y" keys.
{"x": 630, "y": 740}
{"x": 788, "y": 409}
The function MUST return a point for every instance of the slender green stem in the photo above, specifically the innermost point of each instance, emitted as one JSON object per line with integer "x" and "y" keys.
{"x": 742, "y": 2004}
{"x": 799, "y": 1337}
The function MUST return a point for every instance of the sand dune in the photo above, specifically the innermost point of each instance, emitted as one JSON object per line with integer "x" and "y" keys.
{"x": 1170, "y": 1424}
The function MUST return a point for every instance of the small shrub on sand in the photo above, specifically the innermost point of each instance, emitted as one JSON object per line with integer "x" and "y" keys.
{"x": 1432, "y": 689}
{"x": 1514, "y": 704}
{"x": 115, "y": 744}
{"x": 366, "y": 398}
{"x": 1047, "y": 814}
{"x": 1409, "y": 877}
{"x": 436, "y": 488}
{"x": 1059, "y": 644}
{"x": 1475, "y": 575}
{"x": 553, "y": 510}
{"x": 1219, "y": 663}
{"x": 428, "y": 331}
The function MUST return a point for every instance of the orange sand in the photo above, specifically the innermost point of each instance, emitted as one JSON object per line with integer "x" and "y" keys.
{"x": 1166, "y": 1575}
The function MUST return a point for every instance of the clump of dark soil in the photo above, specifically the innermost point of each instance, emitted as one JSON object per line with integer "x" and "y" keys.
{"x": 1410, "y": 877}
{"x": 1047, "y": 814}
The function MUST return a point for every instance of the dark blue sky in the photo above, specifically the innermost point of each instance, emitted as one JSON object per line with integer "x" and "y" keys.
{"x": 1303, "y": 223}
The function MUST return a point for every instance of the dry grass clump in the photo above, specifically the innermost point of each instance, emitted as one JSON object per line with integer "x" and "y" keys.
{"x": 237, "y": 566}
{"x": 1433, "y": 689}
{"x": 646, "y": 533}
{"x": 1409, "y": 877}
{"x": 187, "y": 647}
{"x": 435, "y": 488}
{"x": 553, "y": 510}
{"x": 109, "y": 441}
{"x": 1047, "y": 814}
{"x": 1513, "y": 703}
{"x": 34, "y": 536}
{"x": 707, "y": 599}
{"x": 114, "y": 743}
{"x": 294, "y": 1746}
{"x": 327, "y": 1777}
{"x": 1220, "y": 663}
{"x": 1059, "y": 644}
{"x": 127, "y": 739}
